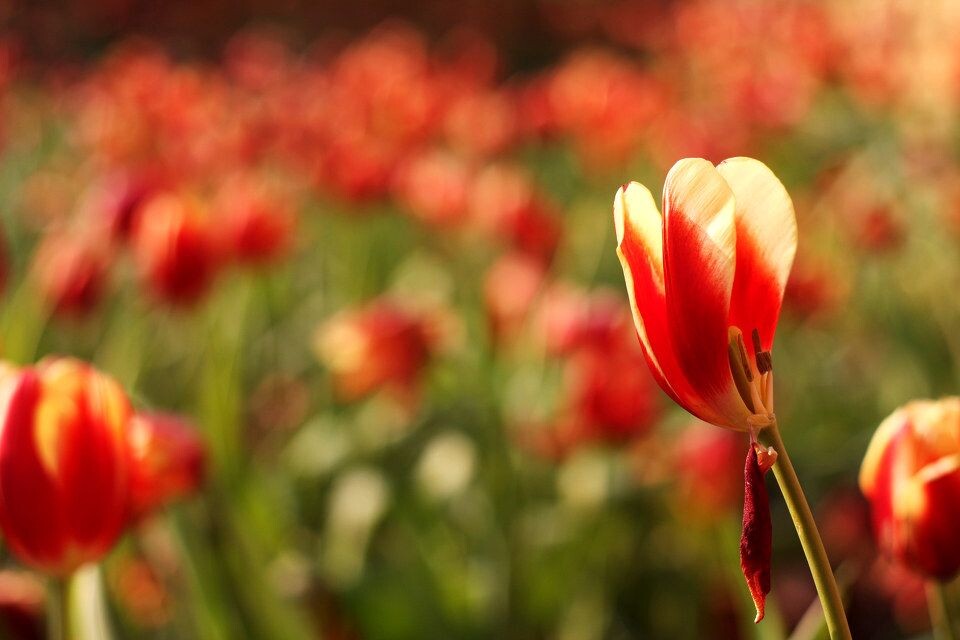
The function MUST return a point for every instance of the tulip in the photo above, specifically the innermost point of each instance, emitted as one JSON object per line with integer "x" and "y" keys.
{"x": 174, "y": 249}
{"x": 510, "y": 288}
{"x": 381, "y": 345}
{"x": 708, "y": 270}
{"x": 711, "y": 486}
{"x": 434, "y": 186}
{"x": 167, "y": 460}
{"x": 114, "y": 203}
{"x": 506, "y": 205}
{"x": 71, "y": 274}
{"x": 257, "y": 226}
{"x": 611, "y": 396}
{"x": 63, "y": 464}
{"x": 911, "y": 476}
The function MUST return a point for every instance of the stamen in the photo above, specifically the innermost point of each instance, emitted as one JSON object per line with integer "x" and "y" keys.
{"x": 744, "y": 360}
{"x": 764, "y": 358}
{"x": 768, "y": 390}
{"x": 740, "y": 368}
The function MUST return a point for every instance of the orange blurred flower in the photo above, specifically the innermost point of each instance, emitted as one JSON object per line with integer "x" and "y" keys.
{"x": 510, "y": 288}
{"x": 434, "y": 186}
{"x": 379, "y": 346}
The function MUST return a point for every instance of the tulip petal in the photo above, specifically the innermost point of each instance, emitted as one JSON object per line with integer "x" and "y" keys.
{"x": 766, "y": 245}
{"x": 933, "y": 544}
{"x": 26, "y": 482}
{"x": 699, "y": 247}
{"x": 873, "y": 470}
{"x": 94, "y": 473}
{"x": 639, "y": 228}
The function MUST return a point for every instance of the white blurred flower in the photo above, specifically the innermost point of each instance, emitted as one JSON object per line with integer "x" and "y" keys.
{"x": 446, "y": 466}
{"x": 357, "y": 502}
{"x": 584, "y": 480}
{"x": 317, "y": 449}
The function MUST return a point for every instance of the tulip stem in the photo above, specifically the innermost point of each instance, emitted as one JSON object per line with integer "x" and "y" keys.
{"x": 939, "y": 611}
{"x": 58, "y": 609}
{"x": 809, "y": 536}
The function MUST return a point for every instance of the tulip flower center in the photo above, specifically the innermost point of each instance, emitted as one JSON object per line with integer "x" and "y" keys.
{"x": 753, "y": 377}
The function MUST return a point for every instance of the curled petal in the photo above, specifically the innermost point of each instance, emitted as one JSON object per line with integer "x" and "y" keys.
{"x": 699, "y": 254}
{"x": 756, "y": 541}
{"x": 766, "y": 230}
{"x": 640, "y": 247}
{"x": 874, "y": 468}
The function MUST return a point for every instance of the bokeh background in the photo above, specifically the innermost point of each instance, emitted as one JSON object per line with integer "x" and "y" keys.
{"x": 368, "y": 248}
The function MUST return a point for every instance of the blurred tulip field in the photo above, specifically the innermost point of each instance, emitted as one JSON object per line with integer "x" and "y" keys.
{"x": 349, "y": 285}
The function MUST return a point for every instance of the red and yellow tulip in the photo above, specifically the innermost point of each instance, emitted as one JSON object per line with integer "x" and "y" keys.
{"x": 63, "y": 464}
{"x": 911, "y": 476}
{"x": 710, "y": 268}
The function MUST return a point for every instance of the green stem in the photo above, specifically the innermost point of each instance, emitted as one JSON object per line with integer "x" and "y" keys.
{"x": 58, "y": 609}
{"x": 809, "y": 536}
{"x": 939, "y": 611}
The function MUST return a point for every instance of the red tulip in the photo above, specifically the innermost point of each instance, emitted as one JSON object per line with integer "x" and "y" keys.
{"x": 482, "y": 123}
{"x": 713, "y": 266}
{"x": 434, "y": 186}
{"x": 911, "y": 476}
{"x": 167, "y": 460}
{"x": 510, "y": 288}
{"x": 115, "y": 202}
{"x": 63, "y": 464}
{"x": 708, "y": 471}
{"x": 505, "y": 204}
{"x": 174, "y": 249}
{"x": 382, "y": 345}
{"x": 71, "y": 273}
{"x": 611, "y": 397}
{"x": 257, "y": 226}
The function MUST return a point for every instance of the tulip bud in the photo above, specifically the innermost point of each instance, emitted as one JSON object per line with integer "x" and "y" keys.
{"x": 911, "y": 476}
{"x": 63, "y": 464}
{"x": 175, "y": 249}
{"x": 167, "y": 460}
